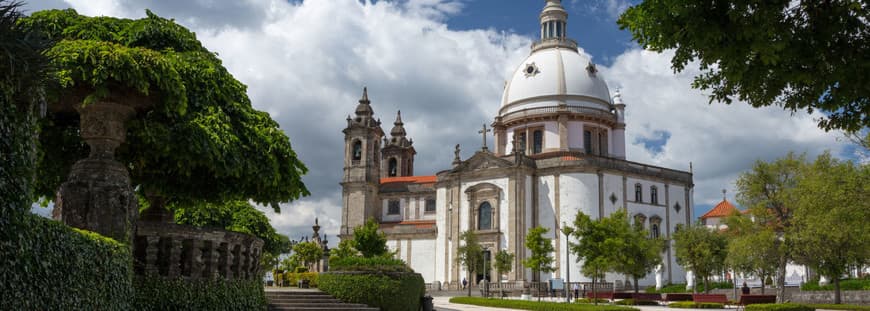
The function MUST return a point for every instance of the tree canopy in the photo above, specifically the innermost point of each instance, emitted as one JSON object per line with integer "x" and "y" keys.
{"x": 308, "y": 252}
{"x": 830, "y": 222}
{"x": 701, "y": 250}
{"x": 201, "y": 141}
{"x": 369, "y": 241}
{"x": 541, "y": 249}
{"x": 469, "y": 254}
{"x": 799, "y": 55}
{"x": 238, "y": 216}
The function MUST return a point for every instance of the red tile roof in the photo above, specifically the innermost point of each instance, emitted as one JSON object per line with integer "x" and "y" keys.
{"x": 723, "y": 209}
{"x": 410, "y": 179}
{"x": 419, "y": 224}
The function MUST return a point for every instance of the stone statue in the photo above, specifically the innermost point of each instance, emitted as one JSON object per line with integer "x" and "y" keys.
{"x": 658, "y": 277}
{"x": 456, "y": 152}
{"x": 690, "y": 280}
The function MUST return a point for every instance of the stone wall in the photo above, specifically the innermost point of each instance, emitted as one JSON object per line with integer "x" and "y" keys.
{"x": 858, "y": 297}
{"x": 189, "y": 252}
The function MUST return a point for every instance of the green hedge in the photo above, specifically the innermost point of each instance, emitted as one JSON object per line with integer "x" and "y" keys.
{"x": 632, "y": 302}
{"x": 779, "y": 307}
{"x": 847, "y": 284}
{"x": 156, "y": 293}
{"x": 45, "y": 265}
{"x": 681, "y": 288}
{"x": 535, "y": 305}
{"x": 381, "y": 264}
{"x": 587, "y": 300}
{"x": 291, "y": 279}
{"x": 389, "y": 291}
{"x": 695, "y": 305}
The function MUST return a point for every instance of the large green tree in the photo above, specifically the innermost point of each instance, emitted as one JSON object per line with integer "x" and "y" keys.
{"x": 24, "y": 75}
{"x": 308, "y": 252}
{"x": 830, "y": 222}
{"x": 799, "y": 55}
{"x": 201, "y": 140}
{"x": 541, "y": 249}
{"x": 768, "y": 190}
{"x": 702, "y": 250}
{"x": 369, "y": 241}
{"x": 595, "y": 246}
{"x": 636, "y": 254}
{"x": 469, "y": 254}
{"x": 752, "y": 247}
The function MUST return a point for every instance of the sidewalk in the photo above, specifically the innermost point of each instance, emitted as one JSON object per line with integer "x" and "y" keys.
{"x": 443, "y": 304}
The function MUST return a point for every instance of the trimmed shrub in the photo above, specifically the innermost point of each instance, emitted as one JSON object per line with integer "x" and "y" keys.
{"x": 695, "y": 305}
{"x": 587, "y": 300}
{"x": 292, "y": 279}
{"x": 535, "y": 305}
{"x": 157, "y": 293}
{"x": 632, "y": 302}
{"x": 46, "y": 265}
{"x": 779, "y": 307}
{"x": 383, "y": 264}
{"x": 681, "y": 288}
{"x": 389, "y": 291}
{"x": 847, "y": 284}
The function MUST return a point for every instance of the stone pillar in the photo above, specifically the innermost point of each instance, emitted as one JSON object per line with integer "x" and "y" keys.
{"x": 97, "y": 196}
{"x": 151, "y": 255}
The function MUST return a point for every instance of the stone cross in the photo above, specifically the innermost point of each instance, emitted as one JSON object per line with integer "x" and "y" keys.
{"x": 483, "y": 132}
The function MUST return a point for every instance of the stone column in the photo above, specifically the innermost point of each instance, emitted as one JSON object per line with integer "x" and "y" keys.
{"x": 97, "y": 196}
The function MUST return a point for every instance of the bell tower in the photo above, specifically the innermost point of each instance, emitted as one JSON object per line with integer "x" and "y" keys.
{"x": 362, "y": 139}
{"x": 398, "y": 153}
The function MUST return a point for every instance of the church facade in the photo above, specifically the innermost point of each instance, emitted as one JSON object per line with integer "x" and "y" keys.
{"x": 558, "y": 149}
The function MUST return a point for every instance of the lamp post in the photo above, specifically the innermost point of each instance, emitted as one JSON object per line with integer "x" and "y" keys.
{"x": 567, "y": 231}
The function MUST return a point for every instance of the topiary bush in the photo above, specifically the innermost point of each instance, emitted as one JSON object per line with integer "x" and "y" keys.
{"x": 157, "y": 293}
{"x": 292, "y": 279}
{"x": 368, "y": 264}
{"x": 779, "y": 307}
{"x": 695, "y": 305}
{"x": 389, "y": 291}
{"x": 45, "y": 265}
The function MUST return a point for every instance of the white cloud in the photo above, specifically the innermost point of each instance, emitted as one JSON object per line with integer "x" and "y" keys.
{"x": 306, "y": 63}
{"x": 608, "y": 9}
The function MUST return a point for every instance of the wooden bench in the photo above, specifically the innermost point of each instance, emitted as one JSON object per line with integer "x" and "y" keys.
{"x": 677, "y": 297}
{"x": 746, "y": 300}
{"x": 646, "y": 297}
{"x": 604, "y": 295}
{"x": 717, "y": 298}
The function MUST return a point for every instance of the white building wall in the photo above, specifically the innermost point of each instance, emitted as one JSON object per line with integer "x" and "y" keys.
{"x": 441, "y": 254}
{"x": 423, "y": 254}
{"x": 577, "y": 192}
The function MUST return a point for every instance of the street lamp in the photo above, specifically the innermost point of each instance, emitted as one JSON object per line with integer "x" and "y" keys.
{"x": 567, "y": 231}
{"x": 485, "y": 282}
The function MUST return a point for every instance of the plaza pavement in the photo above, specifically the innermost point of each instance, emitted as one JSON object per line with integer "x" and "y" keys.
{"x": 442, "y": 303}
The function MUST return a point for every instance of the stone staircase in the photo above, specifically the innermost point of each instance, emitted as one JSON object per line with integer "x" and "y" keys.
{"x": 309, "y": 300}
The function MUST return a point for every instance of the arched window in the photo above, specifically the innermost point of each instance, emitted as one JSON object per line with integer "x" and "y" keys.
{"x": 357, "y": 150}
{"x": 484, "y": 216}
{"x": 639, "y": 221}
{"x": 537, "y": 141}
{"x": 654, "y": 231}
{"x": 653, "y": 195}
{"x": 638, "y": 193}
{"x": 391, "y": 167}
{"x": 655, "y": 223}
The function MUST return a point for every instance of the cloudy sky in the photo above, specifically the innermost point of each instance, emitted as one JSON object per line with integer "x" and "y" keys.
{"x": 443, "y": 64}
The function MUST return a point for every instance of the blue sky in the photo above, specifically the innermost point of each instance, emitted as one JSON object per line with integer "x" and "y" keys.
{"x": 443, "y": 64}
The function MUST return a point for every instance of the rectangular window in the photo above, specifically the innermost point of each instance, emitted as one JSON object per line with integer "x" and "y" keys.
{"x": 430, "y": 206}
{"x": 537, "y": 141}
{"x": 587, "y": 141}
{"x": 393, "y": 207}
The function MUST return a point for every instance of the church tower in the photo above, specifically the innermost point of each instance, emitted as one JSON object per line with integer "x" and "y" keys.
{"x": 362, "y": 138}
{"x": 398, "y": 153}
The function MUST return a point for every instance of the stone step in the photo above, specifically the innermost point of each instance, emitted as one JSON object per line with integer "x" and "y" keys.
{"x": 300, "y": 298}
{"x": 272, "y": 308}
{"x": 309, "y": 300}
{"x": 323, "y": 305}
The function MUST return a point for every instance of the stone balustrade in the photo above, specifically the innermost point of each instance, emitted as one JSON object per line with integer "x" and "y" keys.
{"x": 173, "y": 251}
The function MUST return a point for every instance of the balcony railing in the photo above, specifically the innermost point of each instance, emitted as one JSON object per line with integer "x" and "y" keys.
{"x": 554, "y": 42}
{"x": 537, "y": 111}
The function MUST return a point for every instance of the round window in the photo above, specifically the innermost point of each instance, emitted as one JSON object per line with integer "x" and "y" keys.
{"x": 530, "y": 69}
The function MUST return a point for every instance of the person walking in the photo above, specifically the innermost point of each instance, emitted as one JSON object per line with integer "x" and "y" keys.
{"x": 464, "y": 283}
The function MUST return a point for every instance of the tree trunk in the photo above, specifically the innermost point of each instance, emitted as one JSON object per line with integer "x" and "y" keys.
{"x": 538, "y": 287}
{"x": 780, "y": 279}
{"x": 636, "y": 287}
{"x": 469, "y": 283}
{"x": 594, "y": 295}
{"x": 763, "y": 277}
{"x": 836, "y": 290}
{"x": 706, "y": 285}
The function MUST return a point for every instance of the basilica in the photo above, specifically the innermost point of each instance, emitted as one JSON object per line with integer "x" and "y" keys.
{"x": 558, "y": 149}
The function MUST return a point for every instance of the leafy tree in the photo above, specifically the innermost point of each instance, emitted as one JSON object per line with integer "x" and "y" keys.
{"x": 541, "y": 259}
{"x": 830, "y": 221}
{"x": 369, "y": 241}
{"x": 308, "y": 253}
{"x": 237, "y": 216}
{"x": 637, "y": 254}
{"x": 345, "y": 249}
{"x": 752, "y": 247}
{"x": 469, "y": 254}
{"x": 504, "y": 262}
{"x": 800, "y": 55}
{"x": 701, "y": 250}
{"x": 768, "y": 190}
{"x": 201, "y": 140}
{"x": 290, "y": 263}
{"x": 595, "y": 247}
{"x": 24, "y": 75}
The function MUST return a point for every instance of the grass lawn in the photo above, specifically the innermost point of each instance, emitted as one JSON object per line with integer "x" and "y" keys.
{"x": 534, "y": 305}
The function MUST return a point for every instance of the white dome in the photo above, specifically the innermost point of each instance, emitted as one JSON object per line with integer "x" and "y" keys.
{"x": 554, "y": 75}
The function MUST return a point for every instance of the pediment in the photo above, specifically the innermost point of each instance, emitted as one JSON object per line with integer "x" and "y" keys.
{"x": 482, "y": 160}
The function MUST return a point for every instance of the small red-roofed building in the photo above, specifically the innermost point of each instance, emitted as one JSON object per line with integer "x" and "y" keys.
{"x": 715, "y": 217}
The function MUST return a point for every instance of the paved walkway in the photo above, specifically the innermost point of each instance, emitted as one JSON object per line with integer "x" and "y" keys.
{"x": 443, "y": 304}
